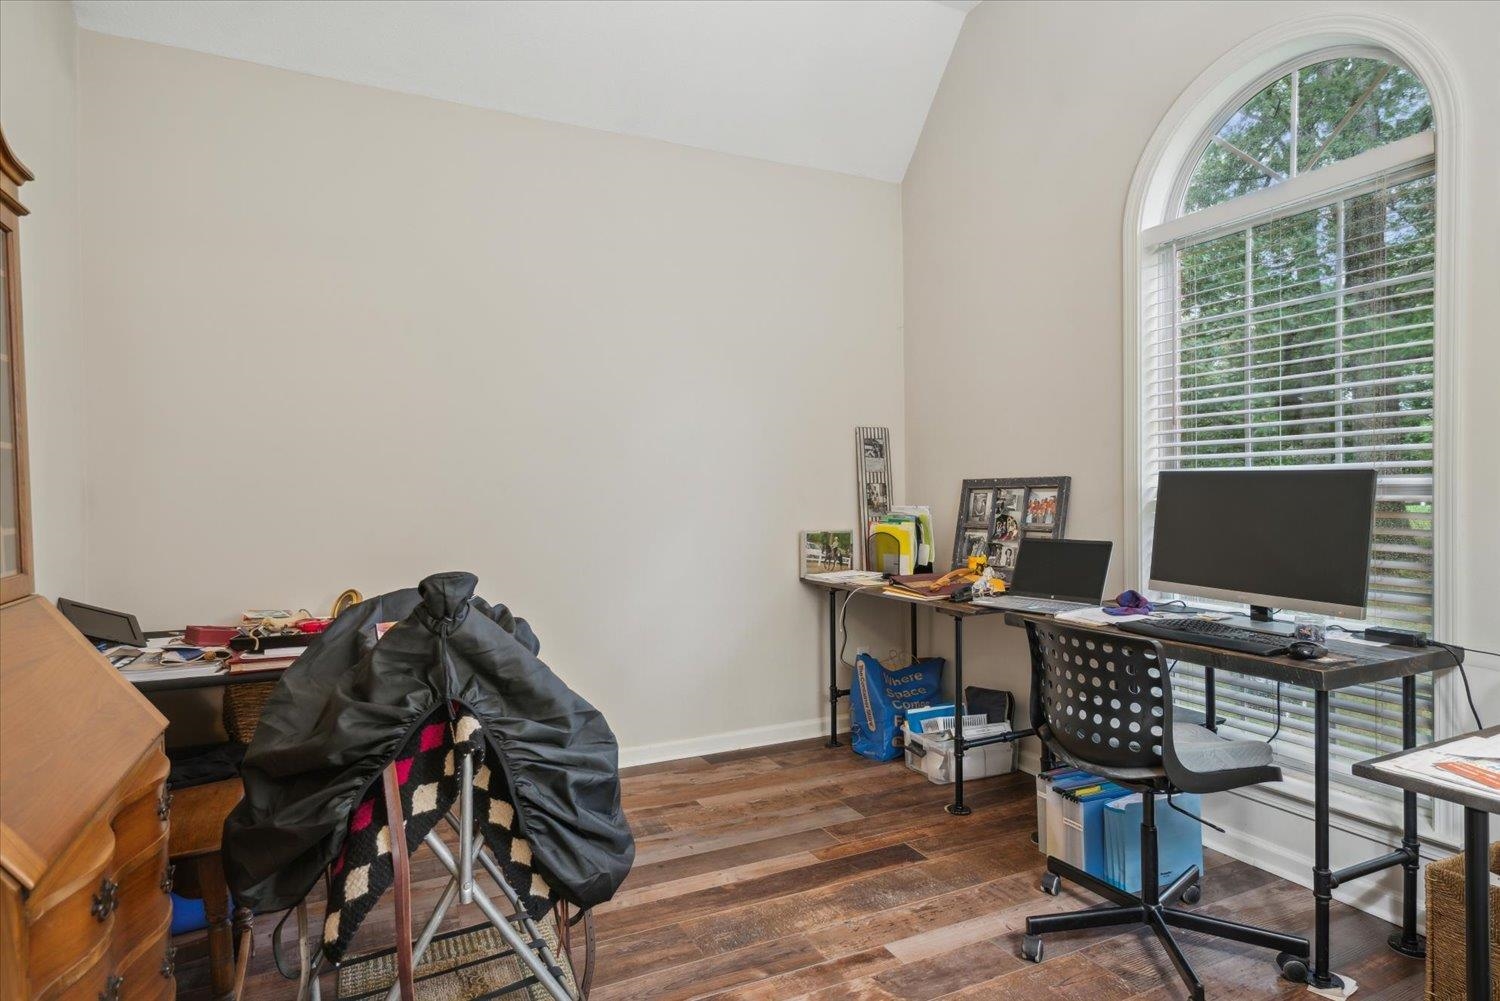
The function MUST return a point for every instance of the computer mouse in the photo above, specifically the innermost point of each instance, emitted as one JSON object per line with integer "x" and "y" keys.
{"x": 1306, "y": 650}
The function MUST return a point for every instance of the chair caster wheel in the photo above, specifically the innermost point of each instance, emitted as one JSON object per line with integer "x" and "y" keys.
{"x": 1031, "y": 948}
{"x": 1192, "y": 894}
{"x": 1051, "y": 884}
{"x": 1293, "y": 968}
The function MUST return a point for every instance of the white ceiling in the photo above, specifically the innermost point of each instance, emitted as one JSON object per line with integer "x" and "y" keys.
{"x": 837, "y": 84}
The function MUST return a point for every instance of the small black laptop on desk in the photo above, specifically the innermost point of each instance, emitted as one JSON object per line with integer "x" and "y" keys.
{"x": 1055, "y": 575}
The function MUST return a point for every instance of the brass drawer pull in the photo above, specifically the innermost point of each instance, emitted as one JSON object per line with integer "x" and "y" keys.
{"x": 112, "y": 987}
{"x": 106, "y": 900}
{"x": 167, "y": 878}
{"x": 164, "y": 808}
{"x": 169, "y": 963}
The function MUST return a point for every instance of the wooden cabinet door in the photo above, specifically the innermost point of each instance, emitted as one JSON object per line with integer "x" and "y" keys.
{"x": 17, "y": 576}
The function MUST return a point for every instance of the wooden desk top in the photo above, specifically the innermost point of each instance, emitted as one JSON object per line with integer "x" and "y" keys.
{"x": 1473, "y": 799}
{"x": 957, "y": 609}
{"x": 1369, "y": 664}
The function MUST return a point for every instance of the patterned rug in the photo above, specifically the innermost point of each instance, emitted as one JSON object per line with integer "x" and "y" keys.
{"x": 463, "y": 965}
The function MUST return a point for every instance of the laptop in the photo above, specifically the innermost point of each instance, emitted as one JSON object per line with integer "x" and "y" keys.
{"x": 1055, "y": 575}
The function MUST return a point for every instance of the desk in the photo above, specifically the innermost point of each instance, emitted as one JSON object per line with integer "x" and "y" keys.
{"x": 221, "y": 679}
{"x": 1368, "y": 664}
{"x": 958, "y": 611}
{"x": 1477, "y": 806}
{"x": 198, "y": 814}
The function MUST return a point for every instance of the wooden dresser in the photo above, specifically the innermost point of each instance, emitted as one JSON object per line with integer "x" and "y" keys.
{"x": 85, "y": 905}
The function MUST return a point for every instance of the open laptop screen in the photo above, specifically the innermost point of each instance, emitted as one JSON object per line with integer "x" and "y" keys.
{"x": 1065, "y": 569}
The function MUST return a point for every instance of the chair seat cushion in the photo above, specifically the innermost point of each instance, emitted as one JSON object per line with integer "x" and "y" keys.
{"x": 1213, "y": 763}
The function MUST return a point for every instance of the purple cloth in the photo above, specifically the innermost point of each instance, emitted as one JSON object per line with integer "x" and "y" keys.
{"x": 1130, "y": 603}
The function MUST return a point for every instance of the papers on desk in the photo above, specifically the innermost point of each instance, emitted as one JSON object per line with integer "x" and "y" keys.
{"x": 1470, "y": 765}
{"x": 273, "y": 653}
{"x": 153, "y": 670}
{"x": 1095, "y": 617}
{"x": 848, "y": 577}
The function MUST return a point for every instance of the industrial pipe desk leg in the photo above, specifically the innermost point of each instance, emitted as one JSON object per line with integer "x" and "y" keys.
{"x": 1320, "y": 975}
{"x": 1408, "y": 941}
{"x": 1477, "y": 902}
{"x": 957, "y": 807}
{"x": 833, "y": 668}
{"x": 1210, "y": 701}
{"x": 913, "y": 632}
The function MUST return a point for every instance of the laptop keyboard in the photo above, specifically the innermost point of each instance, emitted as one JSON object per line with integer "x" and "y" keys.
{"x": 1019, "y": 604}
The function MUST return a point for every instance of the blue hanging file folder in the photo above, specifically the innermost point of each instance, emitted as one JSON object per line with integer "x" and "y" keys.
{"x": 1179, "y": 840}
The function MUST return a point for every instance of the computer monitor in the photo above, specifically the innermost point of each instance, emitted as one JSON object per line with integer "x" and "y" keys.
{"x": 1284, "y": 538}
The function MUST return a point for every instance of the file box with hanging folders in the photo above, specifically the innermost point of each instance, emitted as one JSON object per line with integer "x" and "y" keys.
{"x": 1179, "y": 839}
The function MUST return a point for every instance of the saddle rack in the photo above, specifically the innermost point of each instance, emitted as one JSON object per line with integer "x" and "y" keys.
{"x": 523, "y": 937}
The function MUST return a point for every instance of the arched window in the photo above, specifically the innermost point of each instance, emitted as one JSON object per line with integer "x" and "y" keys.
{"x": 1309, "y": 117}
{"x": 1288, "y": 320}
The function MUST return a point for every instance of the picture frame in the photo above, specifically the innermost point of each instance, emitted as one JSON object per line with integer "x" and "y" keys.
{"x": 873, "y": 485}
{"x": 825, "y": 552}
{"x": 996, "y": 515}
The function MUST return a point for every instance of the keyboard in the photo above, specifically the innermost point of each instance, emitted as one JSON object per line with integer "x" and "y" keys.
{"x": 1205, "y": 632}
{"x": 1016, "y": 603}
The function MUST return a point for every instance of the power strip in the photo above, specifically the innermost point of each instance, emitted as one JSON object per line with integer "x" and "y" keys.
{"x": 1393, "y": 636}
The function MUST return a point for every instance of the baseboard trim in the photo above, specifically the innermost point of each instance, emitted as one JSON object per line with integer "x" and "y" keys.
{"x": 735, "y": 740}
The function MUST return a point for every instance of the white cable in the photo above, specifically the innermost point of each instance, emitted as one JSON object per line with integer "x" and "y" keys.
{"x": 844, "y": 611}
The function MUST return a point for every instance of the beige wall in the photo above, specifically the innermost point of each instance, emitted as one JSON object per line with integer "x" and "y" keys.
{"x": 345, "y": 337}
{"x": 1013, "y": 209}
{"x": 39, "y": 112}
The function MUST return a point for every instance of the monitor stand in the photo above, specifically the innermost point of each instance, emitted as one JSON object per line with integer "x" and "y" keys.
{"x": 1262, "y": 621}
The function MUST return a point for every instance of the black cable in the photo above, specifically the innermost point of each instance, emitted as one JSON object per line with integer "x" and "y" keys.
{"x": 1194, "y": 816}
{"x": 1458, "y": 662}
{"x": 1277, "y": 732}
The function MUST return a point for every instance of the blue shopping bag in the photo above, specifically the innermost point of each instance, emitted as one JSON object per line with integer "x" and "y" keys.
{"x": 879, "y": 698}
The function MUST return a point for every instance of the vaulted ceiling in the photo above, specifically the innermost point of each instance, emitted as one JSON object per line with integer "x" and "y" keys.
{"x": 840, "y": 85}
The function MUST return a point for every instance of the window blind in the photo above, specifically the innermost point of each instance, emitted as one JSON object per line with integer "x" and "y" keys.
{"x": 1304, "y": 340}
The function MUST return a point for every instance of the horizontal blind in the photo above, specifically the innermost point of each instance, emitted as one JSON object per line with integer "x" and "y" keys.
{"x": 1301, "y": 341}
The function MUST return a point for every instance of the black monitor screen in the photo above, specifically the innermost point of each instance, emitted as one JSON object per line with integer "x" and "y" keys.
{"x": 1069, "y": 569}
{"x": 1294, "y": 538}
{"x": 102, "y": 624}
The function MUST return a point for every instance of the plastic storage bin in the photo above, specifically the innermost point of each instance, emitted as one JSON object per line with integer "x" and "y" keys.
{"x": 932, "y": 754}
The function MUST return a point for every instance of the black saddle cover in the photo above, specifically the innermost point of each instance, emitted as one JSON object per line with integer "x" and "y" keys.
{"x": 354, "y": 700}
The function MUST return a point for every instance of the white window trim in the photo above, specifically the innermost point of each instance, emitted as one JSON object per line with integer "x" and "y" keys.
{"x": 1154, "y": 195}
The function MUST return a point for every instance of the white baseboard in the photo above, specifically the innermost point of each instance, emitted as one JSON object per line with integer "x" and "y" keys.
{"x": 735, "y": 740}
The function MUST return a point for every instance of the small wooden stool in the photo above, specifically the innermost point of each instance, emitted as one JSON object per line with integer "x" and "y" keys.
{"x": 196, "y": 833}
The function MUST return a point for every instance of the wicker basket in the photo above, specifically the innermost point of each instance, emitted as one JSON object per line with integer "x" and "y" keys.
{"x": 243, "y": 705}
{"x": 1445, "y": 928}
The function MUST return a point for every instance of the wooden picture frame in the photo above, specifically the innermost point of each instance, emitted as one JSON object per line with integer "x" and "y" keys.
{"x": 17, "y": 571}
{"x": 996, "y": 514}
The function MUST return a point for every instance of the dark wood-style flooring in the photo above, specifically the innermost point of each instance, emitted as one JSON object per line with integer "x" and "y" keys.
{"x": 799, "y": 872}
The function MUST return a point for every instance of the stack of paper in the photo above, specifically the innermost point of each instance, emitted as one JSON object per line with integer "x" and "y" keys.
{"x": 1471, "y": 764}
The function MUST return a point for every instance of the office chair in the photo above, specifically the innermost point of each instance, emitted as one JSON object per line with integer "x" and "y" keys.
{"x": 1102, "y": 702}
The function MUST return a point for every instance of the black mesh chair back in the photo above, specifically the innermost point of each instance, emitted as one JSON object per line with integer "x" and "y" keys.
{"x": 1100, "y": 698}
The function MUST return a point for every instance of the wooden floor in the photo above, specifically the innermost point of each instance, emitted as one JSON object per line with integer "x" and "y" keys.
{"x": 800, "y": 872}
